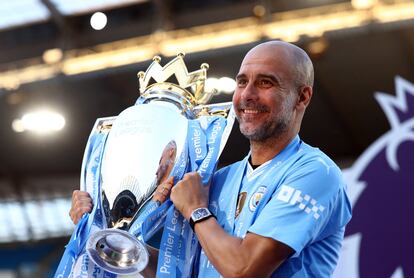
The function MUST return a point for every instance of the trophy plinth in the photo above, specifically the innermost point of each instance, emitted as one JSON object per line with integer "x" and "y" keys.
{"x": 117, "y": 251}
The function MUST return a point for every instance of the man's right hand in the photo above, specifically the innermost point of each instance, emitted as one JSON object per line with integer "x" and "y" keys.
{"x": 81, "y": 204}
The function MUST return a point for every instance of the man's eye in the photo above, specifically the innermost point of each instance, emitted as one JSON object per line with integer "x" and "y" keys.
{"x": 241, "y": 83}
{"x": 265, "y": 83}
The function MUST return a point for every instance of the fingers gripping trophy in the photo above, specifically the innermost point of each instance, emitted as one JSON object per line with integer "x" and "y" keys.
{"x": 169, "y": 131}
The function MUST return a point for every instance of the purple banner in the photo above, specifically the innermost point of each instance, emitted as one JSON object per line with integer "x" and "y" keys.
{"x": 379, "y": 239}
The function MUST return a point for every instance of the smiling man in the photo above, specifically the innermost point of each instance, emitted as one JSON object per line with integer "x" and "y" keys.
{"x": 290, "y": 198}
{"x": 282, "y": 210}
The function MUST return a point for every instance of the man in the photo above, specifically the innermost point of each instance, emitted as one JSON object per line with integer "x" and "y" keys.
{"x": 282, "y": 211}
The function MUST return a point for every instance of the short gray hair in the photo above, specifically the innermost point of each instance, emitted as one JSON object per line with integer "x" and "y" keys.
{"x": 302, "y": 68}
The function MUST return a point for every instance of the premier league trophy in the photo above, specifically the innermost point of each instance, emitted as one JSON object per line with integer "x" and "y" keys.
{"x": 168, "y": 132}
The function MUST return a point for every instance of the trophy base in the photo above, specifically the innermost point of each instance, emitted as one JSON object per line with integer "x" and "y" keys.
{"x": 117, "y": 251}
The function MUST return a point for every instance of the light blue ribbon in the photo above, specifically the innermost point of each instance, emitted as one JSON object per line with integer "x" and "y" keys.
{"x": 179, "y": 244}
{"x": 80, "y": 235}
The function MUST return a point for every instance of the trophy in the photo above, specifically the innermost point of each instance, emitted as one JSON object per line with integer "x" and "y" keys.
{"x": 171, "y": 130}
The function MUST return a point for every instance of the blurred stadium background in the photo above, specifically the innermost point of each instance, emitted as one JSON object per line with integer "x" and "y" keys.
{"x": 62, "y": 66}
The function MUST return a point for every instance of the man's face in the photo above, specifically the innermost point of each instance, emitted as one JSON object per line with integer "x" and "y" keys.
{"x": 265, "y": 95}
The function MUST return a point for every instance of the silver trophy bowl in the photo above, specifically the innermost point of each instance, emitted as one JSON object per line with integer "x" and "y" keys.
{"x": 144, "y": 144}
{"x": 142, "y": 148}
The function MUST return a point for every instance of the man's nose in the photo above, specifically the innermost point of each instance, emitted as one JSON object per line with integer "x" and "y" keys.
{"x": 250, "y": 92}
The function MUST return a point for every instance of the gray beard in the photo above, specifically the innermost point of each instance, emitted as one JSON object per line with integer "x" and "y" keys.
{"x": 268, "y": 130}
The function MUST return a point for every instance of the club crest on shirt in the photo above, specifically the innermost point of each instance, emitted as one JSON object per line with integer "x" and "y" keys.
{"x": 256, "y": 197}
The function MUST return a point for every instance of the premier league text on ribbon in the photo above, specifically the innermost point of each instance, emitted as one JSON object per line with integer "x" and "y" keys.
{"x": 169, "y": 243}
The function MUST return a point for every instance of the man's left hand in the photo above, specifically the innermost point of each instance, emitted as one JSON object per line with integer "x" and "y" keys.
{"x": 163, "y": 190}
{"x": 190, "y": 194}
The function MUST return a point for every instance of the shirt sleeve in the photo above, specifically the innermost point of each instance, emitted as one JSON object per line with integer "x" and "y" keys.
{"x": 308, "y": 204}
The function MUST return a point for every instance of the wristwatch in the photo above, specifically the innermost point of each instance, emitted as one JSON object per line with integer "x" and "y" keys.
{"x": 199, "y": 215}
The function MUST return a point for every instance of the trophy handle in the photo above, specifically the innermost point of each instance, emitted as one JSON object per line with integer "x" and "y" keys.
{"x": 101, "y": 125}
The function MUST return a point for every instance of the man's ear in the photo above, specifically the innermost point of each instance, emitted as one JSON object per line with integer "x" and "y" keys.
{"x": 305, "y": 95}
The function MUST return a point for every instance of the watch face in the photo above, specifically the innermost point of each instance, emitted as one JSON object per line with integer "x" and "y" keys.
{"x": 200, "y": 213}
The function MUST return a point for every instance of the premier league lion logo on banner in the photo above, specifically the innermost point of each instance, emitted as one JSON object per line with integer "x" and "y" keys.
{"x": 379, "y": 239}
